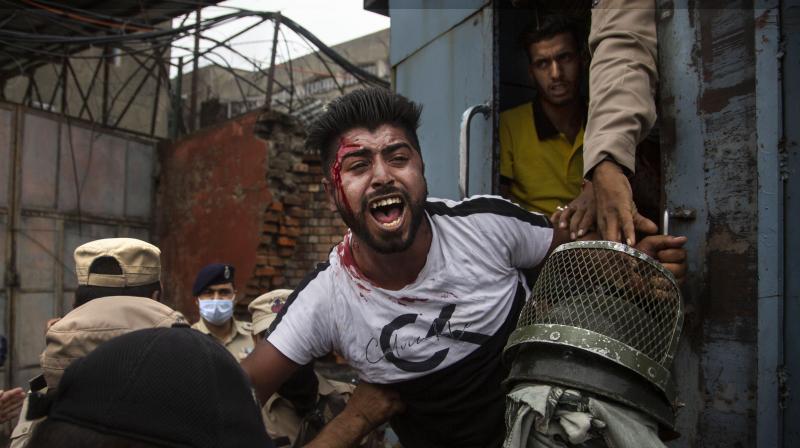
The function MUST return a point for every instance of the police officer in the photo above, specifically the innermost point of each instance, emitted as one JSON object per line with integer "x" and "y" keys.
{"x": 311, "y": 400}
{"x": 215, "y": 295}
{"x": 117, "y": 280}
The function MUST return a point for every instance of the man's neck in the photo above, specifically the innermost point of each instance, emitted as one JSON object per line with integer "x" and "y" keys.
{"x": 395, "y": 270}
{"x": 567, "y": 118}
{"x": 220, "y": 332}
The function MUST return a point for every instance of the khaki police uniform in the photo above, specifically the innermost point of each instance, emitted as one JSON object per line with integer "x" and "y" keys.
{"x": 622, "y": 81}
{"x": 80, "y": 332}
{"x": 99, "y": 320}
{"x": 282, "y": 421}
{"x": 238, "y": 341}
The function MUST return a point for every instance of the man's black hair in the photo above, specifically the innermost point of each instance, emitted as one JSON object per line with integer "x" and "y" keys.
{"x": 86, "y": 293}
{"x": 57, "y": 434}
{"x": 368, "y": 108}
{"x": 110, "y": 266}
{"x": 549, "y": 26}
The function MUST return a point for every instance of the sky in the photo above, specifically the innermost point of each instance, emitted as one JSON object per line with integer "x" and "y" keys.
{"x": 332, "y": 21}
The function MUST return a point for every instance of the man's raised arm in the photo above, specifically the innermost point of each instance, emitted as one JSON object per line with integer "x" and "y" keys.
{"x": 267, "y": 368}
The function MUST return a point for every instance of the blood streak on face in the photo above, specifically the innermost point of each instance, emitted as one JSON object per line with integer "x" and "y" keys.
{"x": 345, "y": 147}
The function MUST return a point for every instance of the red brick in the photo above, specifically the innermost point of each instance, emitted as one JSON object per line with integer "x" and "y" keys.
{"x": 300, "y": 168}
{"x": 291, "y": 221}
{"x": 261, "y": 260}
{"x": 270, "y": 228}
{"x": 290, "y": 231}
{"x": 277, "y": 206}
{"x": 296, "y": 212}
{"x": 322, "y": 247}
{"x": 266, "y": 271}
{"x": 278, "y": 281}
{"x": 271, "y": 217}
{"x": 286, "y": 241}
{"x": 292, "y": 199}
{"x": 286, "y": 252}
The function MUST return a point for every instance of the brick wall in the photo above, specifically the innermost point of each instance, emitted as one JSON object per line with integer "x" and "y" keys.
{"x": 299, "y": 229}
{"x": 226, "y": 195}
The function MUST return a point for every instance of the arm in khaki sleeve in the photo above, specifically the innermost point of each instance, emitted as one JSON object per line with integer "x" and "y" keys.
{"x": 622, "y": 81}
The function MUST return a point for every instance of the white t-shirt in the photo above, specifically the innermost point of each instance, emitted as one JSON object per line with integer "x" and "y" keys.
{"x": 439, "y": 339}
{"x": 460, "y": 298}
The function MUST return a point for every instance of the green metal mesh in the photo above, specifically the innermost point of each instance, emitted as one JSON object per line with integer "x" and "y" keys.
{"x": 613, "y": 290}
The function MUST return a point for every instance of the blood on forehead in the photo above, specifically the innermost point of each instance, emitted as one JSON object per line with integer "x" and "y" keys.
{"x": 345, "y": 147}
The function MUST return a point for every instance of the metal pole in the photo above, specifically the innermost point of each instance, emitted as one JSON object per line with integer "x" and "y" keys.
{"x": 159, "y": 62}
{"x": 271, "y": 74}
{"x": 106, "y": 54}
{"x": 177, "y": 106}
{"x": 193, "y": 99}
{"x": 769, "y": 130}
{"x": 64, "y": 85}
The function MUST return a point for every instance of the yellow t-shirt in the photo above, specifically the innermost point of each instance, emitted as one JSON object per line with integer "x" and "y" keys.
{"x": 544, "y": 168}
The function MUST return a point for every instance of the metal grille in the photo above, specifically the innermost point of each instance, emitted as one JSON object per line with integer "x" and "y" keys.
{"x": 612, "y": 290}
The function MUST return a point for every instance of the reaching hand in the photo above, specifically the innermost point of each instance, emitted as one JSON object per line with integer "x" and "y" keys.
{"x": 617, "y": 218}
{"x": 375, "y": 403}
{"x": 579, "y": 215}
{"x": 368, "y": 407}
{"x": 669, "y": 251}
{"x": 11, "y": 404}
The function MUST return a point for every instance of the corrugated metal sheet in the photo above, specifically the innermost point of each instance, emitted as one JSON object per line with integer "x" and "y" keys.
{"x": 448, "y": 75}
{"x": 708, "y": 103}
{"x": 49, "y": 221}
{"x": 422, "y": 21}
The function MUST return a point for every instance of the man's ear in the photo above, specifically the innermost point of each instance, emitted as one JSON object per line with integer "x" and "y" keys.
{"x": 329, "y": 191}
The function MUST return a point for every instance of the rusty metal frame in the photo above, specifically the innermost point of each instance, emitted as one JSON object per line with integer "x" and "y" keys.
{"x": 11, "y": 276}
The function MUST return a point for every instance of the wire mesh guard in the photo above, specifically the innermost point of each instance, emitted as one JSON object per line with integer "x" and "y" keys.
{"x": 608, "y": 299}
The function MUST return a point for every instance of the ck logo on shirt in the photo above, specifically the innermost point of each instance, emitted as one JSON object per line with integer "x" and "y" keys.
{"x": 392, "y": 349}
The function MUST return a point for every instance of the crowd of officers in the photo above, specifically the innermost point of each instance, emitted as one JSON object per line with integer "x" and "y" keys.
{"x": 119, "y": 287}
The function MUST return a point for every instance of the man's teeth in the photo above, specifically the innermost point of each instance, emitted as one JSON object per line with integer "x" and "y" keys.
{"x": 393, "y": 224}
{"x": 385, "y": 202}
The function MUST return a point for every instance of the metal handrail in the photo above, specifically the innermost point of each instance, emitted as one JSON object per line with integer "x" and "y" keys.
{"x": 463, "y": 146}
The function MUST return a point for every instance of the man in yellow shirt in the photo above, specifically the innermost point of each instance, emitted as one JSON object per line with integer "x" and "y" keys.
{"x": 541, "y": 142}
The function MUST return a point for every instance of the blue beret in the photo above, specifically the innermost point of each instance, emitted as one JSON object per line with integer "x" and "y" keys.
{"x": 213, "y": 274}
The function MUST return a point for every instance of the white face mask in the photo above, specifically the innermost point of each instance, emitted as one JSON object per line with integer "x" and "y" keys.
{"x": 216, "y": 311}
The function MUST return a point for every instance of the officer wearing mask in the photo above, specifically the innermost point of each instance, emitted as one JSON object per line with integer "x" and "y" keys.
{"x": 215, "y": 295}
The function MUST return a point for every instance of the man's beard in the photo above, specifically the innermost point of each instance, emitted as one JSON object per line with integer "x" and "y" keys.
{"x": 395, "y": 243}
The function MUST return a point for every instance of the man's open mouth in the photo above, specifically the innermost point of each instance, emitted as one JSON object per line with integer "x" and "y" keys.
{"x": 388, "y": 211}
